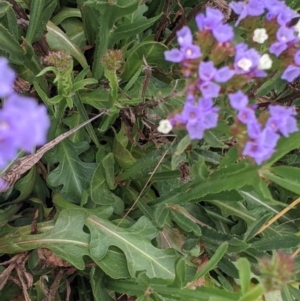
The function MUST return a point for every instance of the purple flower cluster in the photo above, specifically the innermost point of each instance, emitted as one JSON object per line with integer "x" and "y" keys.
{"x": 187, "y": 50}
{"x": 23, "y": 123}
{"x": 263, "y": 140}
{"x": 197, "y": 117}
{"x": 208, "y": 75}
{"x": 212, "y": 21}
{"x": 274, "y": 9}
{"x": 246, "y": 61}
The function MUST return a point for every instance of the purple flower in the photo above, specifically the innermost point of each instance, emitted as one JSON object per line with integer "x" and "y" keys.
{"x": 285, "y": 34}
{"x": 263, "y": 147}
{"x": 277, "y": 48}
{"x": 209, "y": 89}
{"x": 207, "y": 73}
{"x": 197, "y": 117}
{"x": 253, "y": 129}
{"x": 297, "y": 58}
{"x": 246, "y": 115}
{"x": 184, "y": 36}
{"x": 251, "y": 8}
{"x": 274, "y": 8}
{"x": 247, "y": 61}
{"x": 285, "y": 15}
{"x": 282, "y": 120}
{"x": 223, "y": 33}
{"x": 7, "y": 78}
{"x": 213, "y": 18}
{"x": 238, "y": 100}
{"x": 185, "y": 53}
{"x": 290, "y": 73}
{"x": 32, "y": 126}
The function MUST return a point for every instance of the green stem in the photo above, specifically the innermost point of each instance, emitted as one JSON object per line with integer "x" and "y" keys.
{"x": 254, "y": 293}
{"x": 83, "y": 114}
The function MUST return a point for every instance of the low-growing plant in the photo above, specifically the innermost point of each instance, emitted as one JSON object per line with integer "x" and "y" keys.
{"x": 171, "y": 170}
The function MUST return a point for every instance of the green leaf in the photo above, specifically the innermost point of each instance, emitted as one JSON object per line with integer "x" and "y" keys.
{"x": 66, "y": 238}
{"x": 136, "y": 244}
{"x": 220, "y": 252}
{"x": 122, "y": 155}
{"x": 71, "y": 173}
{"x": 285, "y": 176}
{"x": 224, "y": 180}
{"x": 9, "y": 19}
{"x": 271, "y": 84}
{"x": 108, "y": 163}
{"x": 284, "y": 146}
{"x": 79, "y": 85}
{"x": 170, "y": 293}
{"x": 10, "y": 46}
{"x": 180, "y": 271}
{"x": 214, "y": 239}
{"x": 161, "y": 213}
{"x": 7, "y": 213}
{"x": 119, "y": 8}
{"x": 99, "y": 190}
{"x": 183, "y": 221}
{"x": 114, "y": 264}
{"x": 244, "y": 274}
{"x": 57, "y": 40}
{"x": 40, "y": 13}
{"x": 253, "y": 228}
{"x": 212, "y": 140}
{"x": 65, "y": 13}
{"x": 97, "y": 280}
{"x": 277, "y": 242}
{"x": 151, "y": 51}
{"x": 128, "y": 30}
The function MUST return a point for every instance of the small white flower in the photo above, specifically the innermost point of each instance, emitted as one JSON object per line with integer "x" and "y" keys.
{"x": 260, "y": 35}
{"x": 245, "y": 64}
{"x": 265, "y": 62}
{"x": 165, "y": 126}
{"x": 297, "y": 28}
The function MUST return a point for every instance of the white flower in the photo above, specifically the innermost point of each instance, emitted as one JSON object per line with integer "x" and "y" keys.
{"x": 265, "y": 62}
{"x": 260, "y": 35}
{"x": 245, "y": 64}
{"x": 165, "y": 126}
{"x": 297, "y": 28}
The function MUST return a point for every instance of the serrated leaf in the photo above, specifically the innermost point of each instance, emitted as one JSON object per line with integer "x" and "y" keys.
{"x": 136, "y": 244}
{"x": 277, "y": 242}
{"x": 285, "y": 176}
{"x": 11, "y": 47}
{"x": 253, "y": 228}
{"x": 128, "y": 30}
{"x": 71, "y": 173}
{"x": 40, "y": 13}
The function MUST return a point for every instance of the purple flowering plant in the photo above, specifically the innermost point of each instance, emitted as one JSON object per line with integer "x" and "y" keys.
{"x": 23, "y": 123}
{"x": 216, "y": 67}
